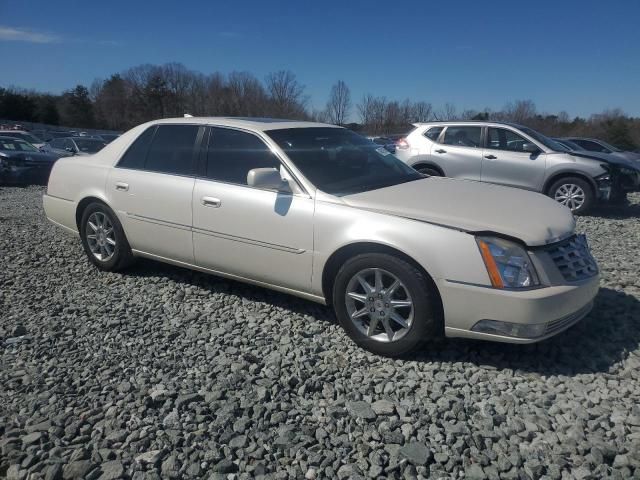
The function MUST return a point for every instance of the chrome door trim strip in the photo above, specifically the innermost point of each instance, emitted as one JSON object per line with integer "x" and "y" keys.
{"x": 202, "y": 231}
{"x": 249, "y": 241}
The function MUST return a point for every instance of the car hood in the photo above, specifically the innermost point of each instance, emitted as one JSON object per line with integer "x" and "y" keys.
{"x": 473, "y": 207}
{"x": 609, "y": 158}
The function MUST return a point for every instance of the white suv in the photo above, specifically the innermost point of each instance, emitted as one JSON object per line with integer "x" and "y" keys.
{"x": 517, "y": 156}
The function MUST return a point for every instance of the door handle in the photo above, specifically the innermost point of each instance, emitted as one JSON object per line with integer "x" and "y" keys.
{"x": 123, "y": 187}
{"x": 211, "y": 202}
{"x": 490, "y": 157}
{"x": 440, "y": 150}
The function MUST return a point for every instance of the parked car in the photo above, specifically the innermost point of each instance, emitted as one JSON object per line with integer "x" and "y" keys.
{"x": 48, "y": 135}
{"x": 318, "y": 211}
{"x": 385, "y": 142}
{"x": 623, "y": 183}
{"x": 22, "y": 162}
{"x": 106, "y": 137}
{"x": 65, "y": 147}
{"x": 22, "y": 135}
{"x": 516, "y": 156}
{"x": 600, "y": 146}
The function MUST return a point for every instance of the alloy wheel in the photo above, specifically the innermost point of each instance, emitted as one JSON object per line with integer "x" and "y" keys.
{"x": 379, "y": 305}
{"x": 570, "y": 195}
{"x": 100, "y": 236}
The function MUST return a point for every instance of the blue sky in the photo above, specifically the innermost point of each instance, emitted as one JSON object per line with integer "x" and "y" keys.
{"x": 577, "y": 56}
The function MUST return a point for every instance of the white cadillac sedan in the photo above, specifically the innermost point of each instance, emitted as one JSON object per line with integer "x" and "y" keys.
{"x": 320, "y": 212}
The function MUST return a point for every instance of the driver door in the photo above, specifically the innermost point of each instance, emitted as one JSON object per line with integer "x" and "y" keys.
{"x": 506, "y": 163}
{"x": 262, "y": 235}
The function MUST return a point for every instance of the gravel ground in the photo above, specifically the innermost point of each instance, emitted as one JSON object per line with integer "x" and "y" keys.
{"x": 163, "y": 372}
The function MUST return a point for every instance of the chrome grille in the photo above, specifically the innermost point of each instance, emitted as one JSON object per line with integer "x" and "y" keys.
{"x": 573, "y": 258}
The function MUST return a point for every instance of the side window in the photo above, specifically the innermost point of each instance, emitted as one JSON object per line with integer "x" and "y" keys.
{"x": 233, "y": 153}
{"x": 172, "y": 149}
{"x": 433, "y": 133}
{"x": 462, "y": 136}
{"x": 503, "y": 139}
{"x": 56, "y": 143}
{"x": 136, "y": 154}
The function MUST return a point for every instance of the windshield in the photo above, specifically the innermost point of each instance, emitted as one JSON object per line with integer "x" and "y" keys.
{"x": 16, "y": 145}
{"x": 89, "y": 145}
{"x": 27, "y": 137}
{"x": 609, "y": 146}
{"x": 569, "y": 144}
{"x": 340, "y": 162}
{"x": 546, "y": 141}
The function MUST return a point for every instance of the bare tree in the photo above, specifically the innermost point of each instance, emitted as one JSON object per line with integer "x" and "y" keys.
{"x": 422, "y": 112}
{"x": 448, "y": 112}
{"x": 287, "y": 94}
{"x": 339, "y": 103}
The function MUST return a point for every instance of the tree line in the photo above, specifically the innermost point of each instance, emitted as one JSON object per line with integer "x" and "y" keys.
{"x": 147, "y": 92}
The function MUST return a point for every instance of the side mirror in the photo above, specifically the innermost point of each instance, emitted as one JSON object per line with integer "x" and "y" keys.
{"x": 268, "y": 179}
{"x": 530, "y": 147}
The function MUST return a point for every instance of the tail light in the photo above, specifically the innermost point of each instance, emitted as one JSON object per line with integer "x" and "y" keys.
{"x": 402, "y": 144}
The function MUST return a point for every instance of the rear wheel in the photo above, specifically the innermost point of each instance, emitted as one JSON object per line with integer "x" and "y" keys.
{"x": 103, "y": 238}
{"x": 574, "y": 193}
{"x": 385, "y": 304}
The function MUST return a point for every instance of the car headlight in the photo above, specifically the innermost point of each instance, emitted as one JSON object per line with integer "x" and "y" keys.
{"x": 508, "y": 264}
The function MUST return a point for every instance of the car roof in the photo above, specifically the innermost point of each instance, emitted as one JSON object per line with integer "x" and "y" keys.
{"x": 469, "y": 122}
{"x": 250, "y": 123}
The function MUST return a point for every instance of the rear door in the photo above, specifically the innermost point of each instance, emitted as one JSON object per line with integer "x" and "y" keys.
{"x": 459, "y": 152}
{"x": 506, "y": 163}
{"x": 151, "y": 189}
{"x": 258, "y": 234}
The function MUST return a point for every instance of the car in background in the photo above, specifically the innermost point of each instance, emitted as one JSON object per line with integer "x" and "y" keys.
{"x": 385, "y": 142}
{"x": 106, "y": 137}
{"x": 69, "y": 146}
{"x": 318, "y": 211}
{"x": 48, "y": 135}
{"x": 516, "y": 156}
{"x": 600, "y": 146}
{"x": 22, "y": 135}
{"x": 625, "y": 182}
{"x": 21, "y": 162}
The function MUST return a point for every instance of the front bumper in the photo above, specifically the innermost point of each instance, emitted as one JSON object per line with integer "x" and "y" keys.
{"x": 554, "y": 308}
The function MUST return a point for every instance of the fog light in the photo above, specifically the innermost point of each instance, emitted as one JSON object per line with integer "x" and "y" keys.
{"x": 518, "y": 330}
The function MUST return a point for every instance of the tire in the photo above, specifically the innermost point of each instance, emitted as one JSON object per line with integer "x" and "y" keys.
{"x": 573, "y": 192}
{"x": 422, "y": 319}
{"x": 432, "y": 172}
{"x": 116, "y": 257}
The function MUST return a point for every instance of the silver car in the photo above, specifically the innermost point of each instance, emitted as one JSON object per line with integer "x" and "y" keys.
{"x": 318, "y": 211}
{"x": 516, "y": 156}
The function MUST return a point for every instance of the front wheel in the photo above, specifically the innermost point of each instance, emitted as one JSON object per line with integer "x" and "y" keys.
{"x": 103, "y": 238}
{"x": 574, "y": 193}
{"x": 385, "y": 304}
{"x": 432, "y": 172}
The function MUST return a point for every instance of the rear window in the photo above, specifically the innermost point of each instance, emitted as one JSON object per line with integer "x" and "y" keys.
{"x": 136, "y": 155}
{"x": 172, "y": 149}
{"x": 433, "y": 133}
